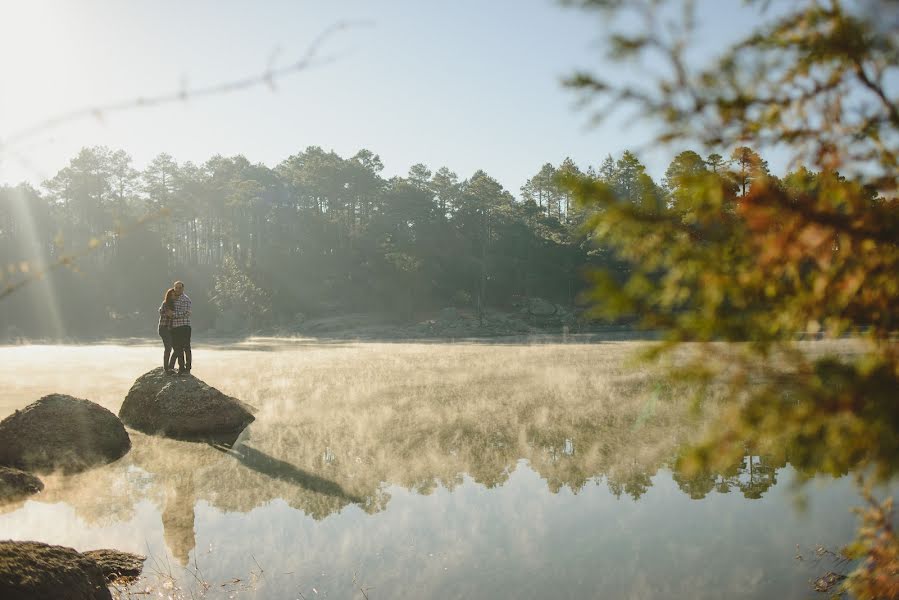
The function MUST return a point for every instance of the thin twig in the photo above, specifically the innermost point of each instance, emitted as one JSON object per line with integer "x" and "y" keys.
{"x": 267, "y": 78}
{"x": 203, "y": 581}
{"x": 149, "y": 552}
{"x": 261, "y": 570}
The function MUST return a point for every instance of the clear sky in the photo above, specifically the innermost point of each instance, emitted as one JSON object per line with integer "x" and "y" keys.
{"x": 467, "y": 84}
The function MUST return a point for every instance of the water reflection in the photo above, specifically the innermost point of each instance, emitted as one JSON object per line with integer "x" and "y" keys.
{"x": 371, "y": 458}
{"x": 753, "y": 476}
{"x": 284, "y": 471}
{"x": 178, "y": 518}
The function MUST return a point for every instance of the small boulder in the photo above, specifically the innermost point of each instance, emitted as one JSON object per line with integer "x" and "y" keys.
{"x": 117, "y": 565}
{"x": 541, "y": 308}
{"x": 183, "y": 407}
{"x": 16, "y": 484}
{"x": 449, "y": 314}
{"x": 59, "y": 432}
{"x": 35, "y": 571}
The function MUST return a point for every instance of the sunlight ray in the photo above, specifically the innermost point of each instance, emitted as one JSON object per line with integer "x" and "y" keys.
{"x": 33, "y": 245}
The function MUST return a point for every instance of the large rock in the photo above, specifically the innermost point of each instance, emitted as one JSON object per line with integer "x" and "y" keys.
{"x": 59, "y": 432}
{"x": 35, "y": 571}
{"x": 117, "y": 565}
{"x": 183, "y": 407}
{"x": 16, "y": 484}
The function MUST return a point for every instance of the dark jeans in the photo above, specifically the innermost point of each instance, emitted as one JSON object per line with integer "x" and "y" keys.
{"x": 181, "y": 347}
{"x": 166, "y": 334}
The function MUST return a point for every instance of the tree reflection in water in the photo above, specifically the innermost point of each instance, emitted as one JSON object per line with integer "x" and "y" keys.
{"x": 337, "y": 428}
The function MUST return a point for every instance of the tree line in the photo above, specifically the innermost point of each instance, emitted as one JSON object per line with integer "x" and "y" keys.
{"x": 318, "y": 234}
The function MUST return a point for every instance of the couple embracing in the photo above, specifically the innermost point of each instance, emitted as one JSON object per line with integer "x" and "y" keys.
{"x": 174, "y": 329}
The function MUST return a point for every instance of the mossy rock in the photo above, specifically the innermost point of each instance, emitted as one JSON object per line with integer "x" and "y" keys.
{"x": 16, "y": 484}
{"x": 59, "y": 432}
{"x": 36, "y": 571}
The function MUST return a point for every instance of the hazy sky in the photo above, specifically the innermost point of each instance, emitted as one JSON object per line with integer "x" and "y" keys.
{"x": 467, "y": 84}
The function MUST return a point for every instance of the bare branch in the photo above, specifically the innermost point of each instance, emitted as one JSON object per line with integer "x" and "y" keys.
{"x": 268, "y": 78}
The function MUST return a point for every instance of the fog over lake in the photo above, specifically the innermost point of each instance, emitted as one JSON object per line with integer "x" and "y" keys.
{"x": 441, "y": 470}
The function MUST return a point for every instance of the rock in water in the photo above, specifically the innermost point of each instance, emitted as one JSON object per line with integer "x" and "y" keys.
{"x": 183, "y": 408}
{"x": 16, "y": 484}
{"x": 61, "y": 432}
{"x": 117, "y": 565}
{"x": 35, "y": 571}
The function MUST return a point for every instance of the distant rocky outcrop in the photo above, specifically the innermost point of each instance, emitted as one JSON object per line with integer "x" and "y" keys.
{"x": 449, "y": 314}
{"x": 16, "y": 484}
{"x": 540, "y": 307}
{"x": 532, "y": 316}
{"x": 183, "y": 407}
{"x": 117, "y": 565}
{"x": 35, "y": 571}
{"x": 59, "y": 432}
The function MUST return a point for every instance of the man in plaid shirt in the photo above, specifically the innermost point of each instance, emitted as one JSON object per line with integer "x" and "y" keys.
{"x": 181, "y": 330}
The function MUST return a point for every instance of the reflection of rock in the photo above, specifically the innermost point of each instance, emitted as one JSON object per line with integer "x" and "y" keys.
{"x": 61, "y": 432}
{"x": 175, "y": 475}
{"x": 117, "y": 565}
{"x": 35, "y": 571}
{"x": 251, "y": 480}
{"x": 183, "y": 408}
{"x": 16, "y": 484}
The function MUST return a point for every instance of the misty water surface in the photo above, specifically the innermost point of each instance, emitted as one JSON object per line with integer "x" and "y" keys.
{"x": 426, "y": 470}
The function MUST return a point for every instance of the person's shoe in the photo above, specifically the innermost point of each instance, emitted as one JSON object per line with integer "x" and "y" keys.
{"x": 170, "y": 371}
{"x": 186, "y": 372}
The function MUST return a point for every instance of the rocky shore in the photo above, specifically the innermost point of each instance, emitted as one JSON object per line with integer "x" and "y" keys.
{"x": 62, "y": 434}
{"x": 533, "y": 317}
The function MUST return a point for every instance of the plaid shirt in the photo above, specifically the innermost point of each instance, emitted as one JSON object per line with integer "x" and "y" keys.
{"x": 164, "y": 321}
{"x": 182, "y": 311}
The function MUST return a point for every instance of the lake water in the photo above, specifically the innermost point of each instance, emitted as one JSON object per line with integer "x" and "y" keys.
{"x": 408, "y": 470}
